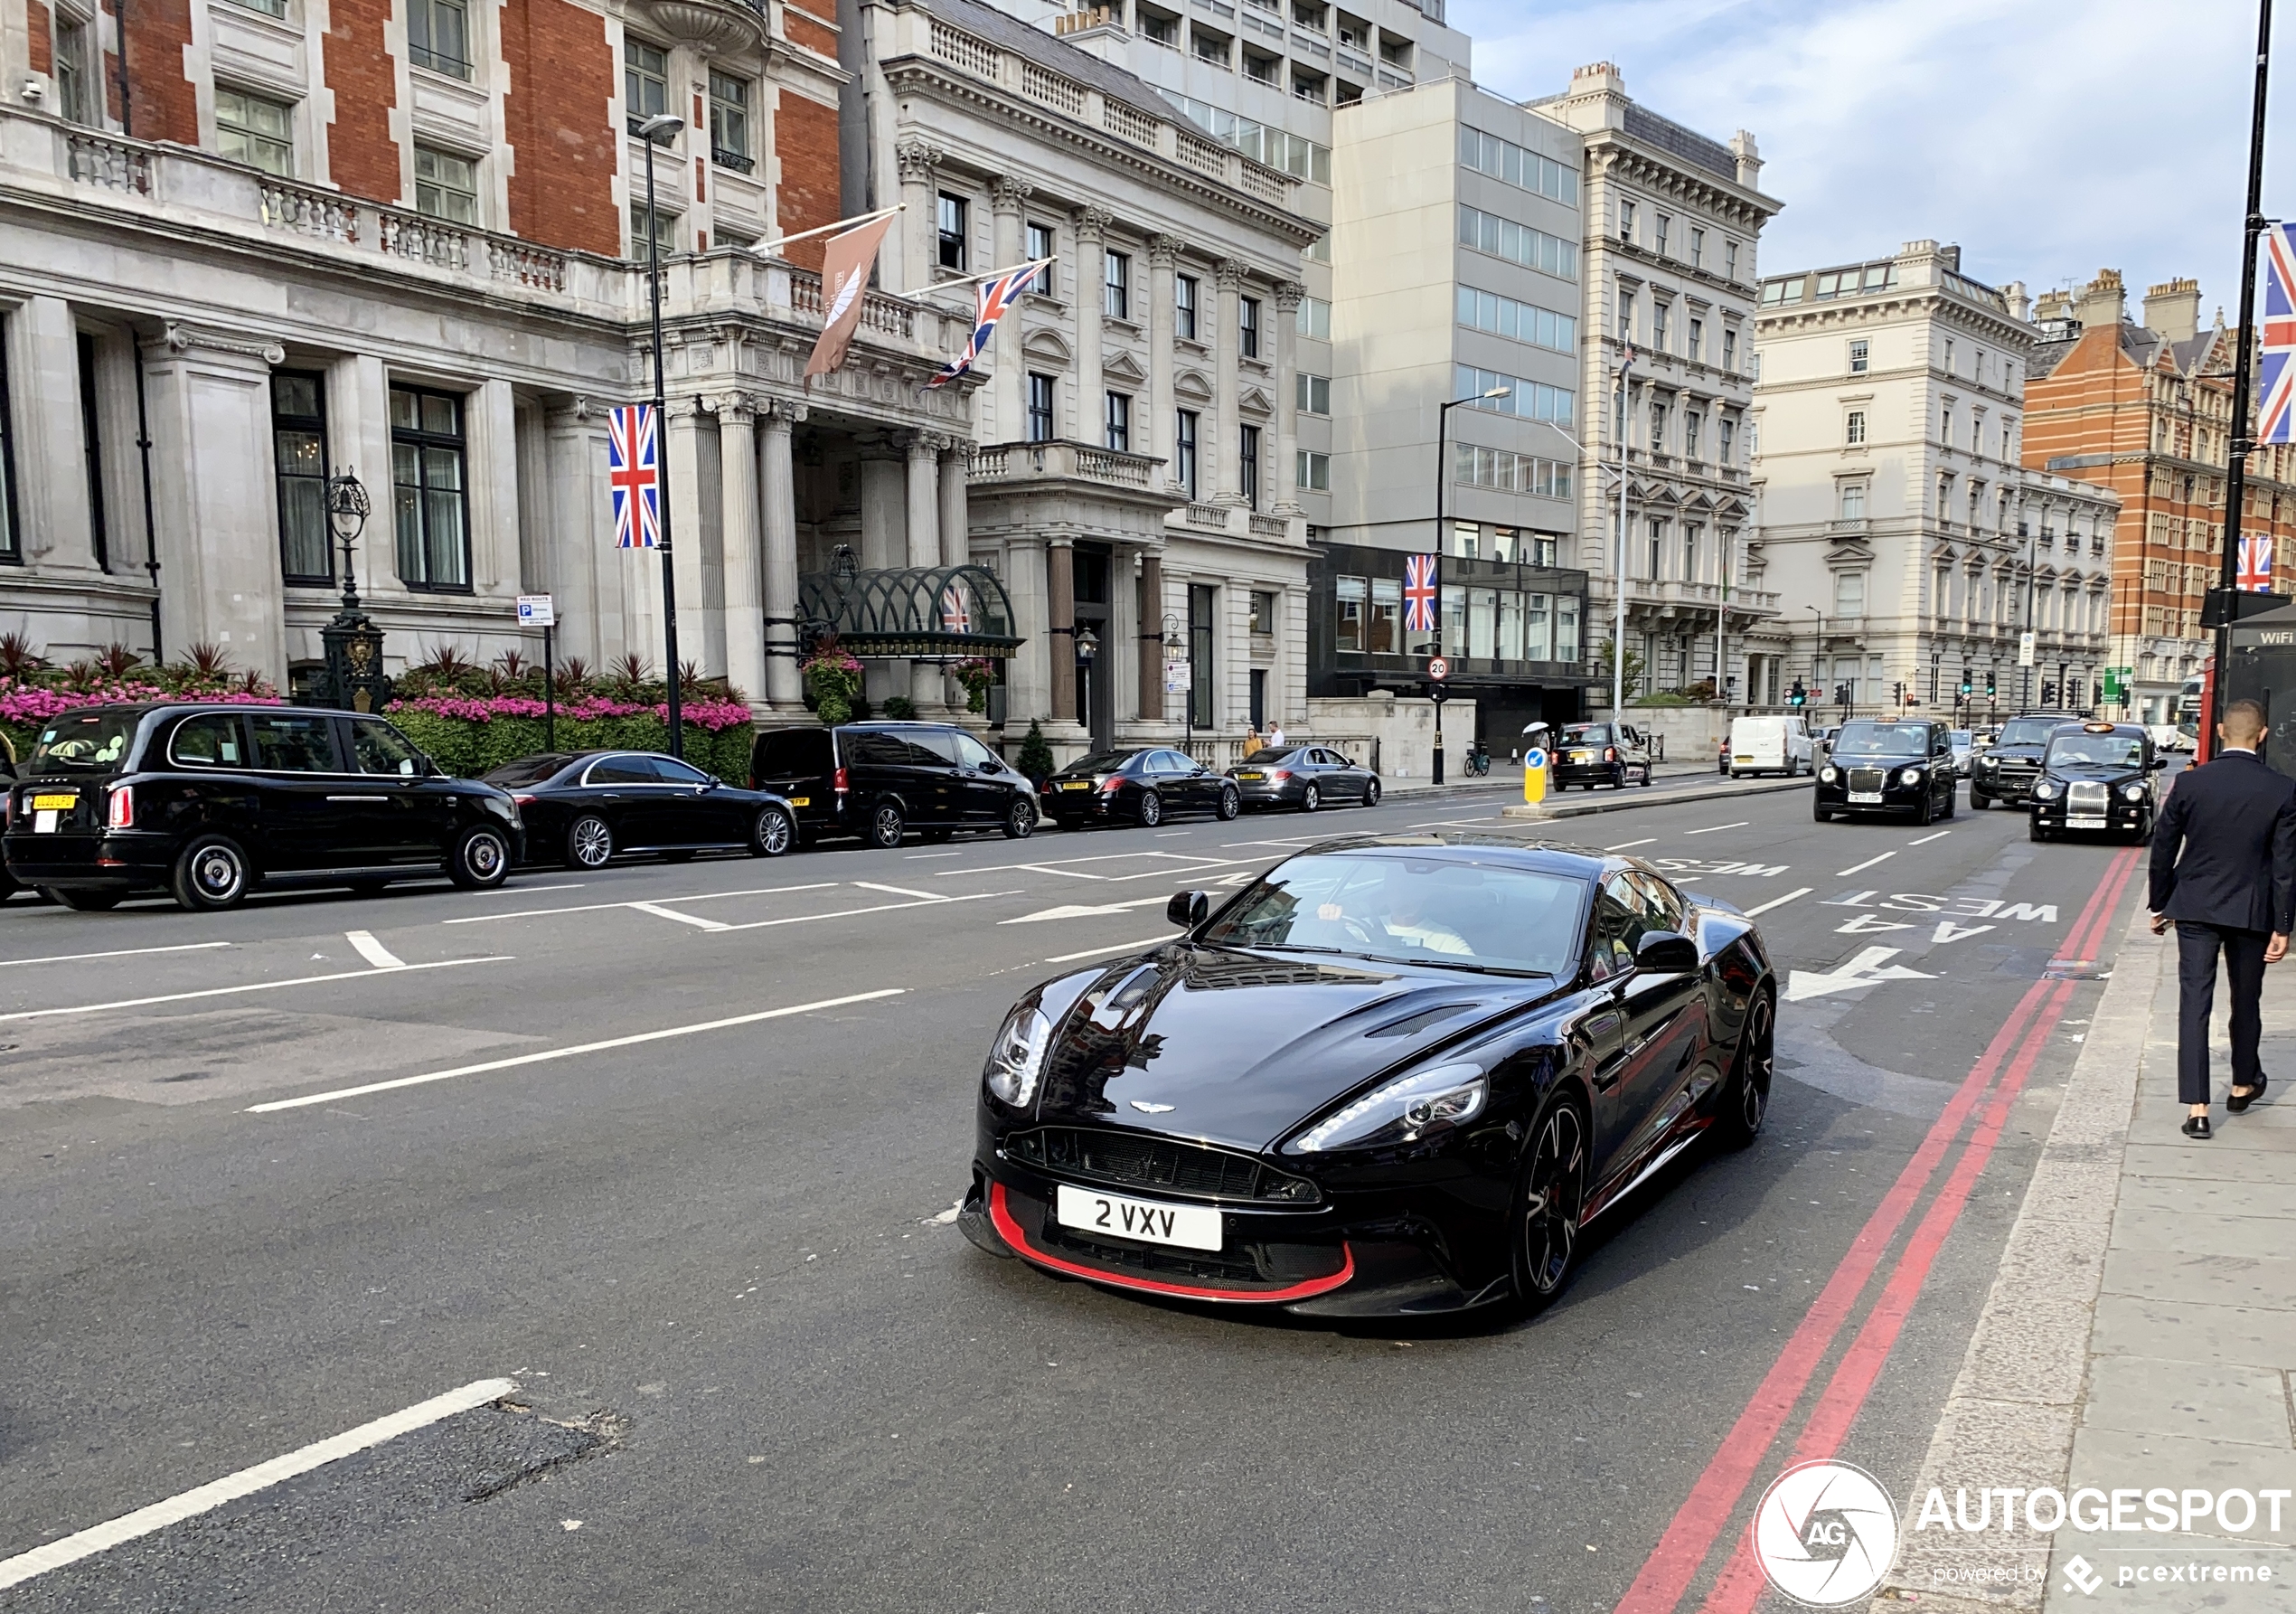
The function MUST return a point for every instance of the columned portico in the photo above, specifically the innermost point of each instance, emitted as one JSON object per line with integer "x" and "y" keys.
{"x": 1226, "y": 437}
{"x": 1155, "y": 436}
{"x": 1092, "y": 239}
{"x": 745, "y": 613}
{"x": 778, "y": 497}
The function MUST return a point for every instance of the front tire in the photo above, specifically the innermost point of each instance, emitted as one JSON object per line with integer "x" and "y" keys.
{"x": 1547, "y": 1203}
{"x": 2034, "y": 831}
{"x": 211, "y": 874}
{"x": 1371, "y": 793}
{"x": 773, "y": 834}
{"x": 1021, "y": 819}
{"x": 1149, "y": 811}
{"x": 479, "y": 859}
{"x": 589, "y": 843}
{"x": 1820, "y": 814}
{"x": 1979, "y": 801}
{"x": 1231, "y": 802}
{"x": 885, "y": 827}
{"x": 1746, "y": 1101}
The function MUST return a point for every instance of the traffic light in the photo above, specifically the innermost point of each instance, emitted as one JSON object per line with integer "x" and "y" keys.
{"x": 1965, "y": 680}
{"x": 1438, "y": 691}
{"x": 1988, "y": 685}
{"x": 2097, "y": 698}
{"x": 1797, "y": 695}
{"x": 1903, "y": 698}
{"x": 2049, "y": 692}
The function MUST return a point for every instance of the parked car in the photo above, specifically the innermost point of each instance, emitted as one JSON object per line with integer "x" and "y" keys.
{"x": 2167, "y": 737}
{"x": 1965, "y": 744}
{"x": 1591, "y": 754}
{"x": 2006, "y": 769}
{"x": 2097, "y": 776}
{"x": 1395, "y": 1075}
{"x": 1882, "y": 766}
{"x": 209, "y": 800}
{"x": 1302, "y": 775}
{"x": 1143, "y": 786}
{"x": 584, "y": 808}
{"x": 1771, "y": 744}
{"x": 878, "y": 781}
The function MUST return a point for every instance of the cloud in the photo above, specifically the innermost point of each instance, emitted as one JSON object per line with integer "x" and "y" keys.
{"x": 2048, "y": 140}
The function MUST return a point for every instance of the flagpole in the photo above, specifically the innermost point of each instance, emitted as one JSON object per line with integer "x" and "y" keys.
{"x": 2237, "y": 470}
{"x": 767, "y": 249}
{"x": 650, "y": 132}
{"x": 1033, "y": 263}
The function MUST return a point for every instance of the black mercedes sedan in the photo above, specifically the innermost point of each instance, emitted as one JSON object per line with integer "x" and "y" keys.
{"x": 1305, "y": 776}
{"x": 2097, "y": 776}
{"x": 1875, "y": 766}
{"x": 1395, "y": 1075}
{"x": 584, "y": 808}
{"x": 1143, "y": 786}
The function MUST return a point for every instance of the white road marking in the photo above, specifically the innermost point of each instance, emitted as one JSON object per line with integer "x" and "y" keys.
{"x": 522, "y": 891}
{"x": 707, "y": 896}
{"x": 695, "y": 920}
{"x": 1925, "y": 840}
{"x": 1165, "y": 834}
{"x": 374, "y": 952}
{"x": 1868, "y": 863}
{"x": 125, "y": 952}
{"x": 922, "y": 896}
{"x": 1716, "y": 828}
{"x": 1034, "y": 868}
{"x": 304, "y": 980}
{"x": 551, "y": 1054}
{"x": 1446, "y": 823}
{"x": 1779, "y": 901}
{"x": 1869, "y": 967}
{"x": 1297, "y": 840}
{"x": 1094, "y": 952}
{"x": 144, "y": 1521}
{"x": 1076, "y": 911}
{"x": 913, "y": 856}
{"x": 802, "y": 919}
{"x": 1041, "y": 864}
{"x": 1623, "y": 845}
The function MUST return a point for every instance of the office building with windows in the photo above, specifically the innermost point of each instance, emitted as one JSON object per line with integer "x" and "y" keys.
{"x": 1908, "y": 544}
{"x": 1672, "y": 222}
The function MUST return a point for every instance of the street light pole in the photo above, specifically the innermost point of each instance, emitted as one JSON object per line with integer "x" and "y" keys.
{"x": 2237, "y": 470}
{"x": 1442, "y": 421}
{"x": 1618, "y": 569}
{"x": 2024, "y": 684}
{"x": 650, "y": 131}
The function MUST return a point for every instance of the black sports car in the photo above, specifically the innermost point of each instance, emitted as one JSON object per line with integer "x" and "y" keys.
{"x": 1142, "y": 786}
{"x": 584, "y": 809}
{"x": 1306, "y": 776}
{"x": 1395, "y": 1075}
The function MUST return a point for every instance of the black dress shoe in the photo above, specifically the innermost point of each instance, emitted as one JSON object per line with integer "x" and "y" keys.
{"x": 2195, "y": 1126}
{"x": 2238, "y": 1101}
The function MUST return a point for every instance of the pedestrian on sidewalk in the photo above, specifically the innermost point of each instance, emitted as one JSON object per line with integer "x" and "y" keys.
{"x": 1275, "y": 735}
{"x": 2223, "y": 872}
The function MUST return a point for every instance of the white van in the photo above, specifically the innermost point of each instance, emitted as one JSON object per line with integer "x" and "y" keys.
{"x": 1770, "y": 745}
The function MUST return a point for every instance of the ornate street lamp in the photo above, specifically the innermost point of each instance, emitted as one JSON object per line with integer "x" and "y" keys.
{"x": 352, "y": 641}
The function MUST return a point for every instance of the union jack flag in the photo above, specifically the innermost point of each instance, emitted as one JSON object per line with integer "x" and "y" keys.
{"x": 2276, "y": 384}
{"x": 634, "y": 474}
{"x": 1420, "y": 593}
{"x": 996, "y": 299}
{"x": 956, "y": 611}
{"x": 2256, "y": 562}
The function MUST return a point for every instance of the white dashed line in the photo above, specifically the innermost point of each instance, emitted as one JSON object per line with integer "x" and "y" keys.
{"x": 707, "y": 896}
{"x": 1094, "y": 952}
{"x": 1717, "y": 828}
{"x": 1925, "y": 840}
{"x": 898, "y": 891}
{"x": 695, "y": 920}
{"x": 304, "y": 980}
{"x": 374, "y": 952}
{"x": 1868, "y": 863}
{"x": 1778, "y": 901}
{"x": 1623, "y": 845}
{"x": 125, "y": 952}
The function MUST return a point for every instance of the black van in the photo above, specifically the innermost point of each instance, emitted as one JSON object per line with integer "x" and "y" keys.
{"x": 208, "y": 800}
{"x": 880, "y": 780}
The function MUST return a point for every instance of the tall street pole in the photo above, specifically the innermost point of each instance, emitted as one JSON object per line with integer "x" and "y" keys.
{"x": 650, "y": 131}
{"x": 1443, "y": 421}
{"x": 2237, "y": 470}
{"x": 1618, "y": 573}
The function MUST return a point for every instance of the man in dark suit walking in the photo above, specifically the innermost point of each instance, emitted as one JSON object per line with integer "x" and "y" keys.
{"x": 2224, "y": 870}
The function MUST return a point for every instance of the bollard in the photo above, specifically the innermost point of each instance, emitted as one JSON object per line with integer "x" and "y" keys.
{"x": 1535, "y": 775}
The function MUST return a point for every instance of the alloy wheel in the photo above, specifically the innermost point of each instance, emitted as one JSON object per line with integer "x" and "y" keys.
{"x": 1231, "y": 804}
{"x": 773, "y": 833}
{"x": 885, "y": 826}
{"x": 1757, "y": 1062}
{"x": 481, "y": 859}
{"x": 1371, "y": 793}
{"x": 1151, "y": 810}
{"x": 1309, "y": 800}
{"x": 1554, "y": 1195}
{"x": 590, "y": 841}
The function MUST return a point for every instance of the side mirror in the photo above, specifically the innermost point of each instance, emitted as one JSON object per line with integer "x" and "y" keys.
{"x": 1189, "y": 909}
{"x": 1666, "y": 952}
{"x": 2156, "y": 765}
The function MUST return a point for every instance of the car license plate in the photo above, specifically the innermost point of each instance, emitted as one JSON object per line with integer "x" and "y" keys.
{"x": 55, "y": 804}
{"x": 1742, "y": 756}
{"x": 2084, "y": 824}
{"x": 1251, "y": 779}
{"x": 1582, "y": 756}
{"x": 800, "y": 801}
{"x": 1076, "y": 785}
{"x": 1865, "y": 798}
{"x": 1190, "y": 1227}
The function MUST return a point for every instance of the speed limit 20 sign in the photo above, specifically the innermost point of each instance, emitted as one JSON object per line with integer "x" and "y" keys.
{"x": 1439, "y": 668}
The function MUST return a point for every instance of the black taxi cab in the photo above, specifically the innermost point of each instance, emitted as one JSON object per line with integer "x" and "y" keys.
{"x": 1888, "y": 766}
{"x": 2097, "y": 776}
{"x": 207, "y": 800}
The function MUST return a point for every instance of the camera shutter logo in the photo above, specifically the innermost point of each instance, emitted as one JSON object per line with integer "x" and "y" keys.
{"x": 1825, "y": 1533}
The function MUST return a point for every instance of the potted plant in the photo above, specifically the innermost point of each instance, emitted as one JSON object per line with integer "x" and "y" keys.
{"x": 832, "y": 679}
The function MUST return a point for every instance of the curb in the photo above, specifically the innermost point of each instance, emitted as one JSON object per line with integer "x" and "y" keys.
{"x": 1625, "y": 803}
{"x": 2014, "y": 1409}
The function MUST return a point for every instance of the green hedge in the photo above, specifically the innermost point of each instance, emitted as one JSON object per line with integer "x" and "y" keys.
{"x": 471, "y": 748}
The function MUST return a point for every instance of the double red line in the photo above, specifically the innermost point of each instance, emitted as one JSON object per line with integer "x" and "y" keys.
{"x": 1995, "y": 1080}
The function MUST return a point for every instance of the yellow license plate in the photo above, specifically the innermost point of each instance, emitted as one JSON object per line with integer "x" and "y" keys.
{"x": 1742, "y": 756}
{"x": 1077, "y": 785}
{"x": 800, "y": 801}
{"x": 1582, "y": 756}
{"x": 54, "y": 804}
{"x": 1251, "y": 779}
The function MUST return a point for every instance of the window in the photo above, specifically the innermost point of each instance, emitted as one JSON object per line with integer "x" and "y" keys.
{"x": 378, "y": 748}
{"x": 1041, "y": 428}
{"x": 1659, "y": 225}
{"x": 950, "y": 222}
{"x": 1945, "y": 423}
{"x": 1299, "y": 157}
{"x": 1349, "y": 618}
{"x": 445, "y": 185}
{"x": 252, "y": 129}
{"x": 1247, "y": 327}
{"x": 439, "y": 37}
{"x": 1319, "y": 249}
{"x": 730, "y": 122}
{"x": 1502, "y": 159}
{"x": 11, "y": 533}
{"x": 1314, "y": 318}
{"x": 1504, "y": 317}
{"x": 1853, "y": 501}
{"x": 1858, "y": 352}
{"x": 660, "y": 227}
{"x": 1658, "y": 426}
{"x": 291, "y": 742}
{"x": 1854, "y": 430}
{"x": 1692, "y": 420}
{"x": 1202, "y": 601}
{"x": 1474, "y": 466}
{"x": 1160, "y": 30}
{"x": 1848, "y": 593}
{"x": 1247, "y": 464}
{"x": 1730, "y": 260}
{"x": 1118, "y": 422}
{"x": 431, "y": 514}
{"x": 1949, "y": 355}
{"x": 1186, "y": 294}
{"x": 92, "y": 442}
{"x": 1041, "y": 242}
{"x": 1117, "y": 282}
{"x": 645, "y": 82}
{"x": 1660, "y": 311}
{"x": 1729, "y": 430}
{"x": 1264, "y": 611}
{"x": 299, "y": 439}
{"x": 1532, "y": 400}
{"x": 1691, "y": 533}
{"x": 1518, "y": 243}
{"x": 75, "y": 78}
{"x": 1698, "y": 249}
{"x": 1626, "y": 222}
{"x": 1314, "y": 471}
{"x": 1729, "y": 350}
{"x": 1209, "y": 46}
{"x": 210, "y": 740}
{"x": 1183, "y": 451}
{"x": 1696, "y": 352}
{"x": 1386, "y": 608}
{"x": 1314, "y": 393}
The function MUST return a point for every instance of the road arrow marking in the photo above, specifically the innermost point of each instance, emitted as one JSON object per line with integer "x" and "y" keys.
{"x": 1084, "y": 911}
{"x": 1947, "y": 930}
{"x": 1869, "y": 967}
{"x": 1865, "y": 922}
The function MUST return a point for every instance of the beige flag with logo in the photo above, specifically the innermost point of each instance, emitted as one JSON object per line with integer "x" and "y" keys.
{"x": 844, "y": 281}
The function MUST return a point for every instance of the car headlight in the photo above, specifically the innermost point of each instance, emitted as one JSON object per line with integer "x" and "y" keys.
{"x": 1912, "y": 776}
{"x": 2047, "y": 789}
{"x": 1016, "y": 1059}
{"x": 1829, "y": 773}
{"x": 1402, "y": 1111}
{"x": 1988, "y": 762}
{"x": 2132, "y": 792}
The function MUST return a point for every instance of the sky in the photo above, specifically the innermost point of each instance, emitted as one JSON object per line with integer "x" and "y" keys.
{"x": 2048, "y": 140}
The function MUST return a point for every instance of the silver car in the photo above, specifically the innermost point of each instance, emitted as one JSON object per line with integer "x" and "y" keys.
{"x": 1965, "y": 751}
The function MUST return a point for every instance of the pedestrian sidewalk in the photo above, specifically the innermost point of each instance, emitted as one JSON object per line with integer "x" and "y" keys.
{"x": 2141, "y": 1336}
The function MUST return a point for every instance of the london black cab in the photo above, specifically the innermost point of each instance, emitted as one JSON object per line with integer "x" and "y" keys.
{"x": 1896, "y": 767}
{"x": 2097, "y": 776}
{"x": 1591, "y": 754}
{"x": 881, "y": 780}
{"x": 209, "y": 801}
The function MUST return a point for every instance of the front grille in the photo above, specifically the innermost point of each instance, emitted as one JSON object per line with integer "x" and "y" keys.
{"x": 1867, "y": 778}
{"x": 1160, "y": 1164}
{"x": 2086, "y": 798}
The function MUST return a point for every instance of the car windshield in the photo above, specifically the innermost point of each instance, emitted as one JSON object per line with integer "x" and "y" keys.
{"x": 1100, "y": 762}
{"x": 1882, "y": 739}
{"x": 1587, "y": 734}
{"x": 1962, "y": 738}
{"x": 2032, "y": 732}
{"x": 1449, "y": 912}
{"x": 528, "y": 771}
{"x": 1271, "y": 753}
{"x": 2096, "y": 750}
{"x": 84, "y": 742}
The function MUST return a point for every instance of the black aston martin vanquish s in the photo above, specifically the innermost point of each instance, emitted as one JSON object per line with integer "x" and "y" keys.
{"x": 1395, "y": 1075}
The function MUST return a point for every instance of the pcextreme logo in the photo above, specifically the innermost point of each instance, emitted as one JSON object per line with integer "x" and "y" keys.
{"x": 1825, "y": 1533}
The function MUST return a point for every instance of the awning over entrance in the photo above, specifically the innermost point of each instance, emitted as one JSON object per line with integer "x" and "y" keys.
{"x": 914, "y": 611}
